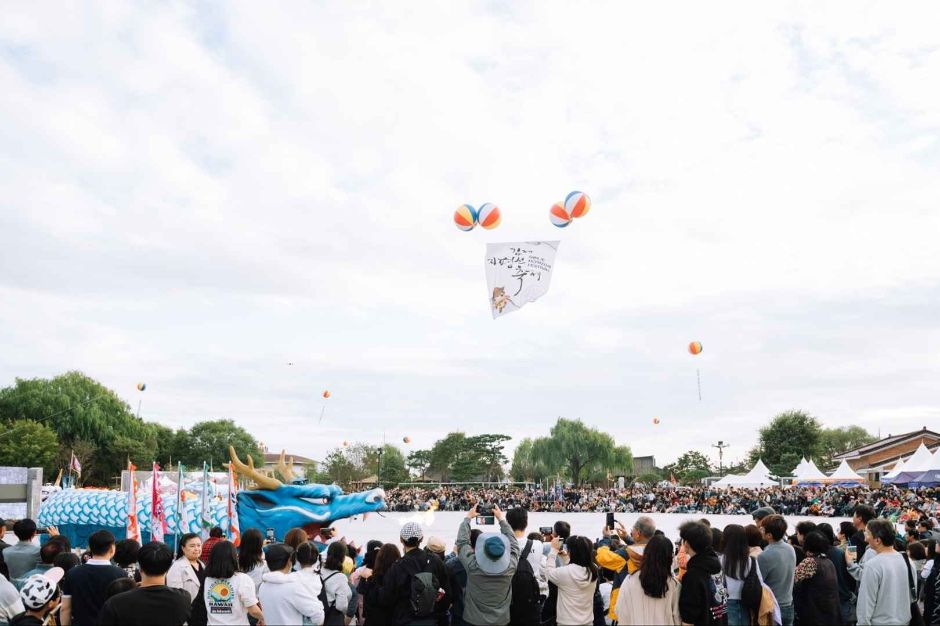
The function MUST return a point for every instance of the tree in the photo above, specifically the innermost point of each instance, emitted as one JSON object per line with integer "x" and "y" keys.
{"x": 209, "y": 441}
{"x": 458, "y": 457}
{"x": 577, "y": 448}
{"x": 445, "y": 452}
{"x": 30, "y": 444}
{"x": 692, "y": 466}
{"x": 419, "y": 461}
{"x": 488, "y": 448}
{"x": 528, "y": 465}
{"x": 837, "y": 440}
{"x": 787, "y": 438}
{"x": 392, "y": 465}
{"x": 337, "y": 468}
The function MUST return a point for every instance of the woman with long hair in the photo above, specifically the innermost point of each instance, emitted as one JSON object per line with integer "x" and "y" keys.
{"x": 187, "y": 572}
{"x": 650, "y": 595}
{"x": 576, "y": 579}
{"x": 229, "y": 596}
{"x": 251, "y": 556}
{"x": 335, "y": 583}
{"x": 844, "y": 580}
{"x": 370, "y": 585}
{"x": 736, "y": 563}
{"x": 815, "y": 587}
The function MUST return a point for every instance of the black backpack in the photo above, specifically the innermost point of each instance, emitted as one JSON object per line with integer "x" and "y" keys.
{"x": 424, "y": 586}
{"x": 525, "y": 606}
{"x": 331, "y": 615}
{"x": 752, "y": 592}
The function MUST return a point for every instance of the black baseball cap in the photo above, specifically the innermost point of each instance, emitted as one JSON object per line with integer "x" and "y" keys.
{"x": 278, "y": 555}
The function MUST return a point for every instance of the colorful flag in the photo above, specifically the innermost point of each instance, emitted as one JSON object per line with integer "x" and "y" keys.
{"x": 205, "y": 518}
{"x": 672, "y": 478}
{"x": 157, "y": 516}
{"x": 74, "y": 465}
{"x": 234, "y": 531}
{"x": 518, "y": 273}
{"x": 133, "y": 528}
{"x": 180, "y": 529}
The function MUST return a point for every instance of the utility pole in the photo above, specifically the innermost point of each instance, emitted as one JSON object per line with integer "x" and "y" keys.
{"x": 721, "y": 445}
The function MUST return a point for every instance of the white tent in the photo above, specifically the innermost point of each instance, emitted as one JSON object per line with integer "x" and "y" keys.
{"x": 898, "y": 468}
{"x": 730, "y": 480}
{"x": 919, "y": 463}
{"x": 809, "y": 473}
{"x": 845, "y": 474}
{"x": 798, "y": 468}
{"x": 759, "y": 476}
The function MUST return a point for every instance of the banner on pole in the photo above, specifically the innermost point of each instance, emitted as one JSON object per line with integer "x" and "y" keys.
{"x": 133, "y": 529}
{"x": 518, "y": 273}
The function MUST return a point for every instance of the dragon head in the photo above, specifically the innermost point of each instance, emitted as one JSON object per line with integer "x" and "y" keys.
{"x": 274, "y": 504}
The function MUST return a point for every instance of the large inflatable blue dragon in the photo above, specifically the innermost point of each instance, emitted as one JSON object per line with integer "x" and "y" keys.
{"x": 269, "y": 504}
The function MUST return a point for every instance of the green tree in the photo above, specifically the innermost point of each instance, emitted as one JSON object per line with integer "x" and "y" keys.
{"x": 337, "y": 468}
{"x": 650, "y": 478}
{"x": 446, "y": 452}
{"x": 419, "y": 461}
{"x": 576, "y": 447}
{"x": 835, "y": 441}
{"x": 209, "y": 441}
{"x": 529, "y": 465}
{"x": 392, "y": 465}
{"x": 30, "y": 444}
{"x": 692, "y": 466}
{"x": 788, "y": 437}
{"x": 488, "y": 450}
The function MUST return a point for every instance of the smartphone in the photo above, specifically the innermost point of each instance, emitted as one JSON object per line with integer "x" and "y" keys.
{"x": 269, "y": 535}
{"x": 610, "y": 521}
{"x": 546, "y": 530}
{"x": 485, "y": 520}
{"x": 853, "y": 550}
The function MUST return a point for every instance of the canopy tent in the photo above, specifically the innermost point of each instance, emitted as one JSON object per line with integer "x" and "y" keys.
{"x": 898, "y": 468}
{"x": 919, "y": 463}
{"x": 845, "y": 475}
{"x": 930, "y": 478}
{"x": 759, "y": 476}
{"x": 731, "y": 480}
{"x": 810, "y": 475}
{"x": 796, "y": 471}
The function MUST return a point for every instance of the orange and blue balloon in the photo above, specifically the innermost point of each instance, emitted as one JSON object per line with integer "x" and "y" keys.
{"x": 465, "y": 217}
{"x": 406, "y": 439}
{"x": 326, "y": 394}
{"x": 141, "y": 386}
{"x": 559, "y": 216}
{"x": 695, "y": 347}
{"x": 489, "y": 216}
{"x": 577, "y": 204}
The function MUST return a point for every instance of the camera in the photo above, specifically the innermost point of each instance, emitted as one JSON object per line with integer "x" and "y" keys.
{"x": 485, "y": 509}
{"x": 546, "y": 530}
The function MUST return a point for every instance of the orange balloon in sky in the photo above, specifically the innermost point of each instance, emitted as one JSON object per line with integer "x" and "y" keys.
{"x": 406, "y": 439}
{"x": 326, "y": 394}
{"x": 655, "y": 420}
{"x": 345, "y": 444}
{"x": 695, "y": 347}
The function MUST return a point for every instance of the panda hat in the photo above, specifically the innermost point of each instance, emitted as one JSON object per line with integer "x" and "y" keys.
{"x": 40, "y": 588}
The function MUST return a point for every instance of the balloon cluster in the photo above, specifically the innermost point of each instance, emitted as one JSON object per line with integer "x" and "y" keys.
{"x": 576, "y": 204}
{"x": 466, "y": 218}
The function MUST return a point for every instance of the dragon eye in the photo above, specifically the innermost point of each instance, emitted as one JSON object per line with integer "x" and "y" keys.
{"x": 317, "y": 501}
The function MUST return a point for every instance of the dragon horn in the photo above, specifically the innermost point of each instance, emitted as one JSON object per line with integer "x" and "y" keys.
{"x": 249, "y": 471}
{"x": 284, "y": 469}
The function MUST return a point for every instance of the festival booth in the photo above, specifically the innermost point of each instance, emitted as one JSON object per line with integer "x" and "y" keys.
{"x": 914, "y": 467}
{"x": 930, "y": 478}
{"x": 898, "y": 468}
{"x": 809, "y": 476}
{"x": 796, "y": 471}
{"x": 758, "y": 477}
{"x": 845, "y": 476}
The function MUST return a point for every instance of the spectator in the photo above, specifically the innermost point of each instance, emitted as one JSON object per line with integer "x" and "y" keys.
{"x": 650, "y": 595}
{"x": 737, "y": 563}
{"x": 777, "y": 564}
{"x": 368, "y": 562}
{"x": 917, "y": 554}
{"x": 884, "y": 593}
{"x": 23, "y": 556}
{"x": 702, "y": 594}
{"x": 251, "y": 556}
{"x": 931, "y": 593}
{"x": 845, "y": 582}
{"x": 755, "y": 540}
{"x": 284, "y": 596}
{"x": 308, "y": 574}
{"x": 759, "y": 514}
{"x": 457, "y": 575}
{"x": 188, "y": 572}
{"x": 862, "y": 514}
{"x": 153, "y": 602}
{"x": 84, "y": 587}
{"x": 816, "y": 588}
{"x": 518, "y": 520}
{"x": 490, "y": 567}
{"x": 576, "y": 579}
{"x": 437, "y": 547}
{"x": 370, "y": 585}
{"x": 228, "y": 595}
{"x": 215, "y": 536}
{"x": 626, "y": 560}
{"x": 335, "y": 584}
{"x": 846, "y": 531}
{"x": 67, "y": 561}
{"x": 119, "y": 585}
{"x": 295, "y": 537}
{"x": 10, "y": 603}
{"x": 3, "y": 531}
{"x": 40, "y": 598}
{"x": 560, "y": 530}
{"x": 125, "y": 557}
{"x": 47, "y": 555}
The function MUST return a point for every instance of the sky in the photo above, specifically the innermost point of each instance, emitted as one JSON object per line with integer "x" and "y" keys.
{"x": 194, "y": 195}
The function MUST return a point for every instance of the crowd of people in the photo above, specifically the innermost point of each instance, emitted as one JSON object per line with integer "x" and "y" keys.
{"x": 864, "y": 571}
{"x": 809, "y": 501}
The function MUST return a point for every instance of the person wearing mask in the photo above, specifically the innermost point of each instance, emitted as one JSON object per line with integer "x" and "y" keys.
{"x": 23, "y": 556}
{"x": 650, "y": 595}
{"x": 153, "y": 601}
{"x": 490, "y": 568}
{"x": 816, "y": 588}
{"x": 335, "y": 584}
{"x": 576, "y": 579}
{"x": 702, "y": 593}
{"x": 284, "y": 596}
{"x": 228, "y": 596}
{"x": 215, "y": 536}
{"x": 84, "y": 587}
{"x": 737, "y": 563}
{"x": 457, "y": 575}
{"x": 188, "y": 572}
{"x": 845, "y": 582}
{"x": 251, "y": 556}
{"x": 884, "y": 592}
{"x": 40, "y": 598}
{"x": 370, "y": 586}
{"x": 777, "y": 564}
{"x": 626, "y": 560}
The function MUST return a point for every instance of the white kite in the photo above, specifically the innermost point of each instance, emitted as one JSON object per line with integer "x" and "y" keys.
{"x": 518, "y": 273}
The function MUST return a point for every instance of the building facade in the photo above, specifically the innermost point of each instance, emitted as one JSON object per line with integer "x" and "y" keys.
{"x": 876, "y": 459}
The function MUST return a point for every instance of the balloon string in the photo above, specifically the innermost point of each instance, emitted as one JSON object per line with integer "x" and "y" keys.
{"x": 323, "y": 410}
{"x": 698, "y": 378}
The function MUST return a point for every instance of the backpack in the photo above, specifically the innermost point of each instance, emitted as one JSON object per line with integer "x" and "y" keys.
{"x": 331, "y": 615}
{"x": 525, "y": 605}
{"x": 717, "y": 599}
{"x": 424, "y": 586}
{"x": 751, "y": 590}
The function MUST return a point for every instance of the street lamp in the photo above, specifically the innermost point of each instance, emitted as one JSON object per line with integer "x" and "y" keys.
{"x": 378, "y": 475}
{"x": 721, "y": 445}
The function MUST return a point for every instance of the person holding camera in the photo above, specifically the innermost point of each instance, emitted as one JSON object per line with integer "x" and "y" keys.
{"x": 490, "y": 568}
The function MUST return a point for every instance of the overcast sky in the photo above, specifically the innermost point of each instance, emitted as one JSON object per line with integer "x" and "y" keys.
{"x": 195, "y": 195}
